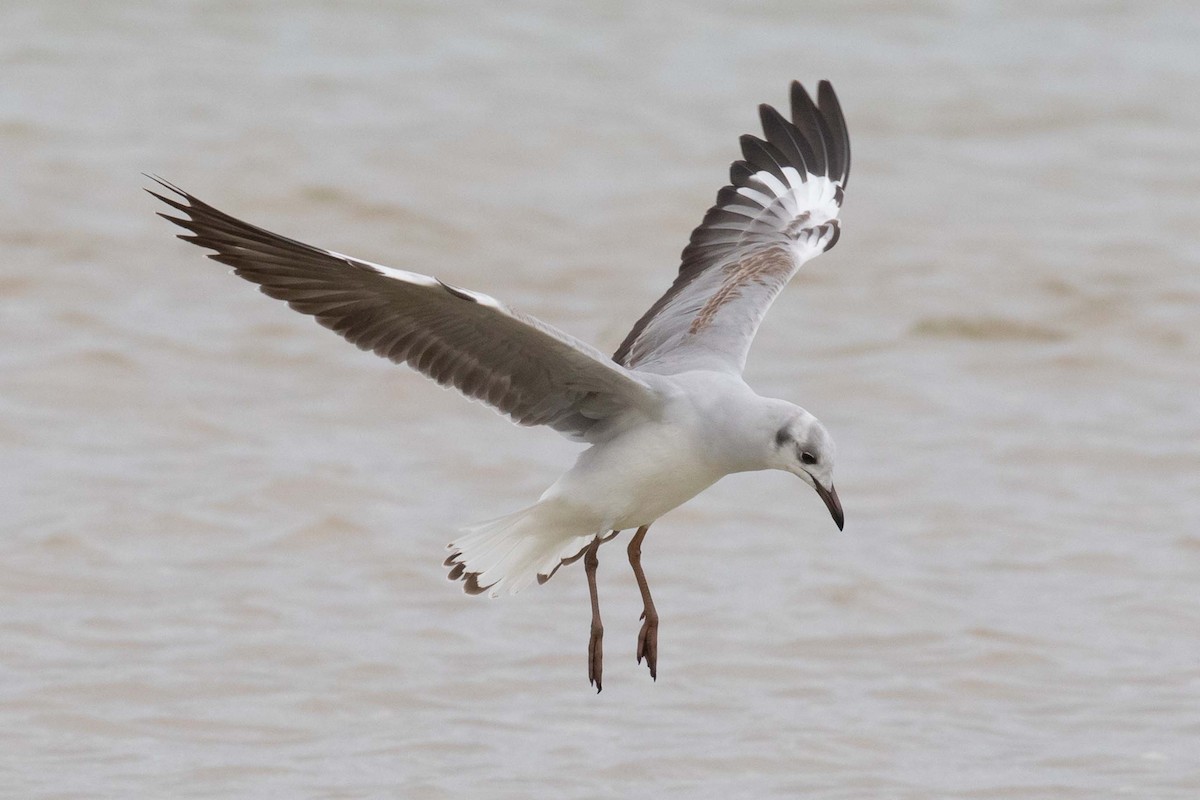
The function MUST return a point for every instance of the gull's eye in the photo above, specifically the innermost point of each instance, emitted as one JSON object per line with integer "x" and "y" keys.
{"x": 808, "y": 458}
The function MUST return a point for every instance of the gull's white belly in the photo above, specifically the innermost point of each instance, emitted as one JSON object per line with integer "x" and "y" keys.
{"x": 636, "y": 478}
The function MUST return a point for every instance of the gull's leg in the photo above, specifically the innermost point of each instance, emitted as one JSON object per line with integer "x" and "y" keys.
{"x": 648, "y": 637}
{"x": 596, "y": 643}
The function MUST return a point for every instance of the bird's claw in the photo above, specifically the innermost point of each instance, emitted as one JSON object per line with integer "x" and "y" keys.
{"x": 647, "y": 646}
{"x": 596, "y": 658}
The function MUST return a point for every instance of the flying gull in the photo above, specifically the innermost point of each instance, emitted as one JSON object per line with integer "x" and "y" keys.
{"x": 666, "y": 417}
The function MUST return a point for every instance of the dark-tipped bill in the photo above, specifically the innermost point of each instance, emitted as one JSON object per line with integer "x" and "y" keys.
{"x": 832, "y": 503}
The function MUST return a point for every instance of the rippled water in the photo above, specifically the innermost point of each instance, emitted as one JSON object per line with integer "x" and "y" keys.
{"x": 220, "y": 570}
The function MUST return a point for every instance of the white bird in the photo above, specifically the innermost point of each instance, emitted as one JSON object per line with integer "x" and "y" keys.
{"x": 666, "y": 417}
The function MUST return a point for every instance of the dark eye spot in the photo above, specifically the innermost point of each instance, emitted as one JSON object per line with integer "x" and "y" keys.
{"x": 782, "y": 437}
{"x": 808, "y": 458}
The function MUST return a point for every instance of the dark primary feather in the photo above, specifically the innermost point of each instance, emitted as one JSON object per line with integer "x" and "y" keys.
{"x": 523, "y": 367}
{"x": 809, "y": 121}
{"x": 831, "y": 110}
{"x": 794, "y": 147}
{"x": 764, "y": 156}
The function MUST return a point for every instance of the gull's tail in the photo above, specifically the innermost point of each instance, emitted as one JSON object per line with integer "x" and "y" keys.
{"x": 504, "y": 555}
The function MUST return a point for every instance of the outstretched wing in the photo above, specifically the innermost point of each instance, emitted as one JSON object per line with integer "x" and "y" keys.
{"x": 780, "y": 210}
{"x": 529, "y": 370}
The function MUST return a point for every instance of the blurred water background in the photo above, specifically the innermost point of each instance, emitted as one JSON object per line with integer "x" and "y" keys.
{"x": 223, "y": 527}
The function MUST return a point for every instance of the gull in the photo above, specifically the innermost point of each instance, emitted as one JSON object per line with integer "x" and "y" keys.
{"x": 665, "y": 418}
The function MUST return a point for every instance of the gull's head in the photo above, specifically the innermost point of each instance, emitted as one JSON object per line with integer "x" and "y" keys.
{"x": 803, "y": 447}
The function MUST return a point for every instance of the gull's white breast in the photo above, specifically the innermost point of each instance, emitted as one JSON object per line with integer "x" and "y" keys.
{"x": 653, "y": 467}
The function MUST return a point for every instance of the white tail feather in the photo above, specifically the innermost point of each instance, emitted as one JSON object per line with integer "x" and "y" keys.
{"x": 506, "y": 554}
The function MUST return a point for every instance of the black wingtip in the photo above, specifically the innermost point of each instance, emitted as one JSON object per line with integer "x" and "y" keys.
{"x": 831, "y": 110}
{"x": 166, "y": 184}
{"x": 762, "y": 155}
{"x": 800, "y": 97}
{"x": 177, "y": 220}
{"x": 186, "y": 208}
{"x": 787, "y": 139}
{"x": 182, "y": 201}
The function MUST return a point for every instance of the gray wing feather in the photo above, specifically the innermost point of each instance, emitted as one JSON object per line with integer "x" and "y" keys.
{"x": 521, "y": 366}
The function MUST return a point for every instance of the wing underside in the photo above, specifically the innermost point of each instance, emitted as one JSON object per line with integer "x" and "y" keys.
{"x": 779, "y": 210}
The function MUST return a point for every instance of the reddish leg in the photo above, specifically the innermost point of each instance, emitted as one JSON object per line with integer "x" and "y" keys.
{"x": 596, "y": 643}
{"x": 647, "y": 645}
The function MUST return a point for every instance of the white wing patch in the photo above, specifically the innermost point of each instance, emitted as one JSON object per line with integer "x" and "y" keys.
{"x": 802, "y": 209}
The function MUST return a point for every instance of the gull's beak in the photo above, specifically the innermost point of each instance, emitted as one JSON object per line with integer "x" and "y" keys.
{"x": 831, "y": 502}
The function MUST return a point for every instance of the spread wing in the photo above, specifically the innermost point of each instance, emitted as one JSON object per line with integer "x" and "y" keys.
{"x": 524, "y": 368}
{"x": 780, "y": 210}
